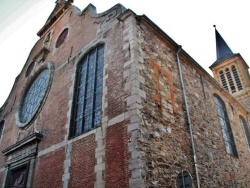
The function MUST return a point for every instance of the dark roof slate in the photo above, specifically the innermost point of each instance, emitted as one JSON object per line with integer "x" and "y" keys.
{"x": 222, "y": 49}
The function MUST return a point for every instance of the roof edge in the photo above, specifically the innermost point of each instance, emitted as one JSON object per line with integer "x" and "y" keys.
{"x": 234, "y": 55}
{"x": 202, "y": 70}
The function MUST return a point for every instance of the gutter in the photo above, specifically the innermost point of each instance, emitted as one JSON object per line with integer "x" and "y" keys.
{"x": 188, "y": 118}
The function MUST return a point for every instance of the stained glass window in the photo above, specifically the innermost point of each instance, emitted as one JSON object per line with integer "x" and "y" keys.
{"x": 34, "y": 96}
{"x": 87, "y": 110}
{"x": 225, "y": 126}
{"x": 246, "y": 130}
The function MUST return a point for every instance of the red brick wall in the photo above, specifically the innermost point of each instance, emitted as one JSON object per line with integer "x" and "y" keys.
{"x": 82, "y": 173}
{"x": 117, "y": 156}
{"x": 49, "y": 170}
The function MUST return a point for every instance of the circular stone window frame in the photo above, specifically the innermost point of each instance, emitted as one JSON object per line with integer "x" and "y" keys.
{"x": 49, "y": 66}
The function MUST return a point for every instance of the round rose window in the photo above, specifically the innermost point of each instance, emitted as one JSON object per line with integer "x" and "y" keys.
{"x": 34, "y": 96}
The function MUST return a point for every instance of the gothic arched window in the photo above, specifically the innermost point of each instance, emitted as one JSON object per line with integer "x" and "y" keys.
{"x": 246, "y": 130}
{"x": 225, "y": 126}
{"x": 87, "y": 104}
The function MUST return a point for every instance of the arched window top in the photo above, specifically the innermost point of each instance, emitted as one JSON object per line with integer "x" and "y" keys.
{"x": 221, "y": 72}
{"x": 219, "y": 101}
{"x": 225, "y": 126}
{"x": 242, "y": 119}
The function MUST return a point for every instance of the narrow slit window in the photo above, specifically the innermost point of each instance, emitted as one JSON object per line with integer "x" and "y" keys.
{"x": 230, "y": 81}
{"x": 237, "y": 79}
{"x": 87, "y": 107}
{"x": 1, "y": 128}
{"x": 223, "y": 80}
{"x": 225, "y": 126}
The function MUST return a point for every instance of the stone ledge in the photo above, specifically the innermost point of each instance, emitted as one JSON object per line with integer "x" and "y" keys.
{"x": 34, "y": 137}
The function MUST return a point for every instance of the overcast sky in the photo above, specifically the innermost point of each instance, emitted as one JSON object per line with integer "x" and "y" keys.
{"x": 188, "y": 22}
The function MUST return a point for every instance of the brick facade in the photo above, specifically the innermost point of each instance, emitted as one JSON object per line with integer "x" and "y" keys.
{"x": 144, "y": 139}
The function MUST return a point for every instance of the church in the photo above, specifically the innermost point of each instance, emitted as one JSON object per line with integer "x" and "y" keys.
{"x": 110, "y": 100}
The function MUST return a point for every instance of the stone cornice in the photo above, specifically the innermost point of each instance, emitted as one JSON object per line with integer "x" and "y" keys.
{"x": 33, "y": 138}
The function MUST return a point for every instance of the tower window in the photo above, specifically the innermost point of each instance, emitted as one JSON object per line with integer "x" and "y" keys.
{"x": 87, "y": 108}
{"x": 237, "y": 79}
{"x": 230, "y": 81}
{"x": 225, "y": 126}
{"x": 246, "y": 130}
{"x": 223, "y": 80}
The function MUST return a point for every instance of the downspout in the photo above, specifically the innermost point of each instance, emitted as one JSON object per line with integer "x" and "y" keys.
{"x": 188, "y": 118}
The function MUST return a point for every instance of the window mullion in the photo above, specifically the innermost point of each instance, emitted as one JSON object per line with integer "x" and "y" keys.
{"x": 94, "y": 93}
{"x": 85, "y": 92}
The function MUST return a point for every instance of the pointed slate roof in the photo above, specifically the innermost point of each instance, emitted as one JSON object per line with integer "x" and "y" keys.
{"x": 222, "y": 49}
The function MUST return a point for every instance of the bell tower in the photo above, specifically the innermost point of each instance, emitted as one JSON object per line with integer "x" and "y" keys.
{"x": 231, "y": 71}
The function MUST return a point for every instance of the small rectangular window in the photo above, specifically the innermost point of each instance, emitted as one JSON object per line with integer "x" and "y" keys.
{"x": 17, "y": 177}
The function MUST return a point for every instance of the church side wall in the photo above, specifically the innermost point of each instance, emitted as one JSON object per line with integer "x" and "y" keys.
{"x": 244, "y": 101}
{"x": 166, "y": 138}
{"x": 216, "y": 167}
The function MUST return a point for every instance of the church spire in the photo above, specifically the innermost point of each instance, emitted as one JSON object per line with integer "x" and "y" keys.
{"x": 222, "y": 49}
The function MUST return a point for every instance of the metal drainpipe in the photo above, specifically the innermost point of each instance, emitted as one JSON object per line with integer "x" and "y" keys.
{"x": 188, "y": 118}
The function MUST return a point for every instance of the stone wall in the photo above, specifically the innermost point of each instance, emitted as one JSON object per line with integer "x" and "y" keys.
{"x": 165, "y": 137}
{"x": 245, "y": 102}
{"x": 165, "y": 132}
